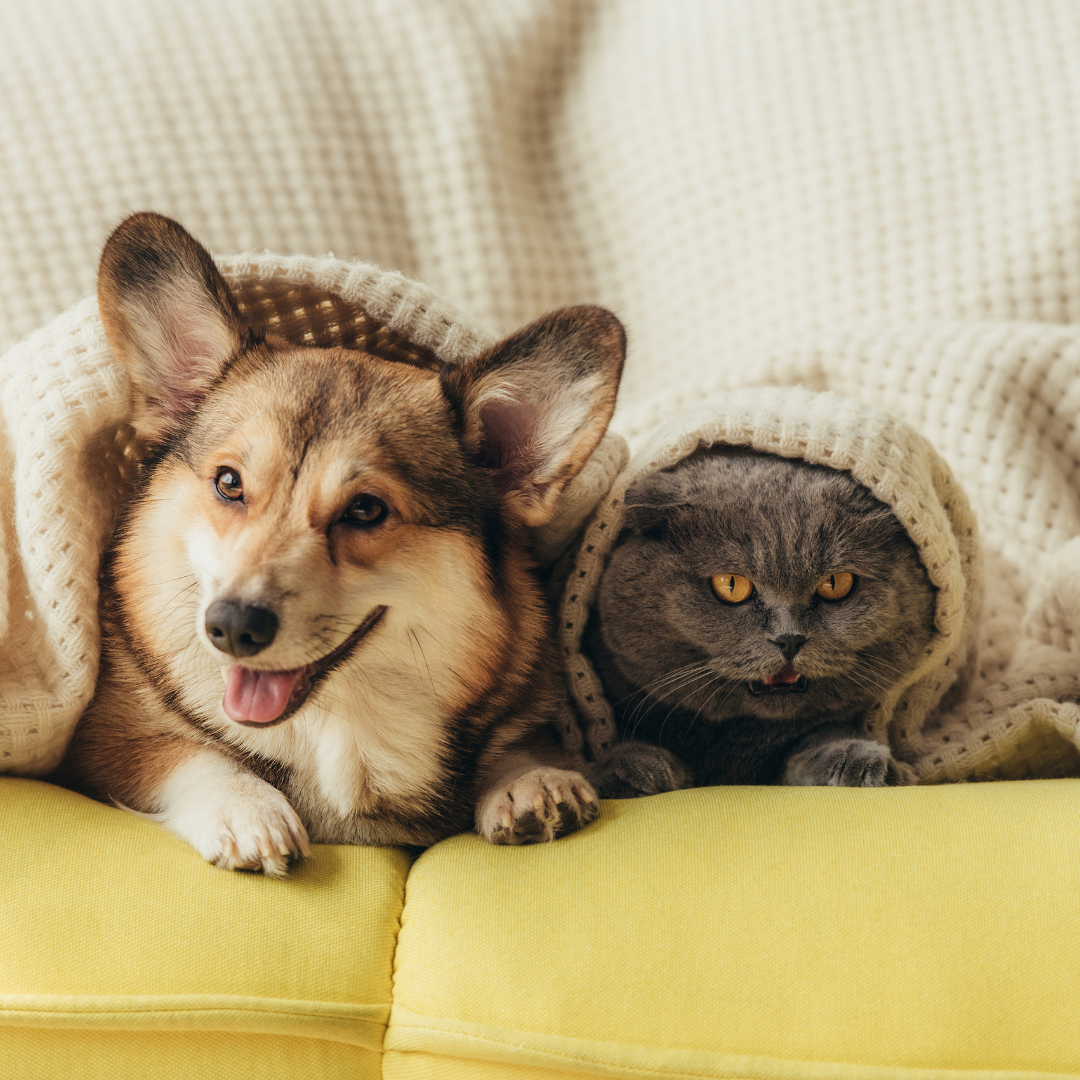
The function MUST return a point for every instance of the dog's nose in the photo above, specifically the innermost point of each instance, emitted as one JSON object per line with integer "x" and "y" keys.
{"x": 239, "y": 629}
{"x": 788, "y": 644}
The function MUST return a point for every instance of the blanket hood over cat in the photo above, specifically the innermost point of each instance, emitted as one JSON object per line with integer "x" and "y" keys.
{"x": 897, "y": 465}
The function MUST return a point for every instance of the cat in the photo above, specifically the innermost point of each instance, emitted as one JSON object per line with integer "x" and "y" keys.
{"x": 753, "y": 609}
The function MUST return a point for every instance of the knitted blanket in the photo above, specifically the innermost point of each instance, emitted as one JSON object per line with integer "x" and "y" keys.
{"x": 882, "y": 200}
{"x": 948, "y": 718}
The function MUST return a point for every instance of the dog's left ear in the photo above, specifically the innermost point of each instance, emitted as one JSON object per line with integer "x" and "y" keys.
{"x": 536, "y": 405}
{"x": 169, "y": 315}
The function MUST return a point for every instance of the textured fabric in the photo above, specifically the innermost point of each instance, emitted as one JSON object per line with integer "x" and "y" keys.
{"x": 709, "y": 168}
{"x": 416, "y": 1066}
{"x": 999, "y": 402}
{"x": 111, "y": 924}
{"x": 896, "y": 464}
{"x": 30, "y": 1054}
{"x": 758, "y": 933}
{"x": 853, "y": 196}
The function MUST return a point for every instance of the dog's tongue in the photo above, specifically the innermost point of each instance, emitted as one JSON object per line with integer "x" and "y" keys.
{"x": 257, "y": 696}
{"x": 784, "y": 677}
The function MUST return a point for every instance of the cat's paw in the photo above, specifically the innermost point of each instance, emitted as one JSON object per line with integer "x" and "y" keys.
{"x": 632, "y": 769}
{"x": 540, "y": 805}
{"x": 235, "y": 821}
{"x": 843, "y": 762}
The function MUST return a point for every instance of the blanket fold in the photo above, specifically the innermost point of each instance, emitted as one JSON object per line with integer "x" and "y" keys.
{"x": 994, "y": 406}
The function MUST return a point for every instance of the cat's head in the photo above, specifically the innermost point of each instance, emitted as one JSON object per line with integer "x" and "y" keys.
{"x": 749, "y": 584}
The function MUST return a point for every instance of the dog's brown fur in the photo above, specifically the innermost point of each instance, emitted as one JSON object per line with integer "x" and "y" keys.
{"x": 438, "y": 717}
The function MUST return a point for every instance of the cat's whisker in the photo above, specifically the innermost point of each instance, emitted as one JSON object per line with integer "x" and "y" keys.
{"x": 669, "y": 683}
{"x": 663, "y": 723}
{"x": 687, "y": 669}
{"x": 677, "y": 688}
{"x": 730, "y": 690}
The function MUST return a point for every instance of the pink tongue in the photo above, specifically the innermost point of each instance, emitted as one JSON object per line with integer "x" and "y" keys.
{"x": 257, "y": 696}
{"x": 783, "y": 677}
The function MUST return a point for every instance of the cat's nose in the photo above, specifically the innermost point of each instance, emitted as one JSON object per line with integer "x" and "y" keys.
{"x": 789, "y": 644}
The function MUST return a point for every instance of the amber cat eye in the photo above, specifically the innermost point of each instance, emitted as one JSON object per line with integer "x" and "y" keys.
{"x": 732, "y": 588}
{"x": 836, "y": 586}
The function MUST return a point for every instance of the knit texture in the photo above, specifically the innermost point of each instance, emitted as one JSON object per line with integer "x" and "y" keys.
{"x": 894, "y": 462}
{"x": 996, "y": 695}
{"x": 878, "y": 199}
{"x": 710, "y": 169}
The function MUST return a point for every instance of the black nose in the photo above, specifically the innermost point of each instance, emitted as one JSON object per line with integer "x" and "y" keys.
{"x": 788, "y": 644}
{"x": 239, "y": 629}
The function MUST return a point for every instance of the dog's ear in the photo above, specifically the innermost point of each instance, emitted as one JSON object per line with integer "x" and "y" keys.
{"x": 536, "y": 405}
{"x": 169, "y": 316}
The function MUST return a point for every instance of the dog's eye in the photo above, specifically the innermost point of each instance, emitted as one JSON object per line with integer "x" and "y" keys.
{"x": 229, "y": 485}
{"x": 365, "y": 510}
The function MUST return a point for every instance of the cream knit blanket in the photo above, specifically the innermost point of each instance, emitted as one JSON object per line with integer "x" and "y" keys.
{"x": 879, "y": 199}
{"x": 1000, "y": 402}
{"x": 948, "y": 719}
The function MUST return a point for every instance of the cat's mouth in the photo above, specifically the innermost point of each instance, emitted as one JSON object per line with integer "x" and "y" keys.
{"x": 786, "y": 681}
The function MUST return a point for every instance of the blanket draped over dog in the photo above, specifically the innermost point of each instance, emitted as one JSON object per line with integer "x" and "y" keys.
{"x": 68, "y": 455}
{"x": 890, "y": 192}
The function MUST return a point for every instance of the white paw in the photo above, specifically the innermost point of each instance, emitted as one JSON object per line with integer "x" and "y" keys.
{"x": 231, "y": 817}
{"x": 537, "y": 806}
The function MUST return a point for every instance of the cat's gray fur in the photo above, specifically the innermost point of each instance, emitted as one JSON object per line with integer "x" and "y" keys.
{"x": 677, "y": 662}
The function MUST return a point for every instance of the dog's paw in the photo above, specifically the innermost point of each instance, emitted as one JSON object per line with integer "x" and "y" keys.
{"x": 255, "y": 835}
{"x": 632, "y": 769}
{"x": 539, "y": 805}
{"x": 237, "y": 822}
{"x": 846, "y": 762}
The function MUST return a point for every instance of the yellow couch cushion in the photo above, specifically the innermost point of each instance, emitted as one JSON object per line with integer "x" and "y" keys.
{"x": 754, "y": 932}
{"x": 110, "y": 924}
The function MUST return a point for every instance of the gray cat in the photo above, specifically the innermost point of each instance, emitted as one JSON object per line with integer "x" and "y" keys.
{"x": 753, "y": 609}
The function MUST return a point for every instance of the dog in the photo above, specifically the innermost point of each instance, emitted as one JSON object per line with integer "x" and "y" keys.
{"x": 320, "y": 621}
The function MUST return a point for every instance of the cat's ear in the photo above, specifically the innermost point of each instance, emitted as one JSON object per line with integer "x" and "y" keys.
{"x": 535, "y": 406}
{"x": 168, "y": 315}
{"x": 648, "y": 507}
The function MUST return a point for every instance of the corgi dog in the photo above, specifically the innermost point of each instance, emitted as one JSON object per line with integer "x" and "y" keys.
{"x": 320, "y": 621}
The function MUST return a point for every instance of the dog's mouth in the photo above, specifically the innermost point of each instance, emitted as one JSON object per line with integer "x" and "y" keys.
{"x": 263, "y": 698}
{"x": 786, "y": 681}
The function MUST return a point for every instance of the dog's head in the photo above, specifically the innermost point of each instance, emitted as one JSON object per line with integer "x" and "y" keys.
{"x": 303, "y": 503}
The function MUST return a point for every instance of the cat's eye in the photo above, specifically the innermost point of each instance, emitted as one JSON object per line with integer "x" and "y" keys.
{"x": 732, "y": 588}
{"x": 836, "y": 586}
{"x": 228, "y": 485}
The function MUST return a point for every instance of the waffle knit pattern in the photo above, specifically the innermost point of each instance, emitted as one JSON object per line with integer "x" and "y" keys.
{"x": 947, "y": 719}
{"x": 882, "y": 200}
{"x": 888, "y": 457}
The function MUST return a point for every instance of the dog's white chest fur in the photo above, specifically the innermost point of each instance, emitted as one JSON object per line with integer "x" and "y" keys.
{"x": 354, "y": 743}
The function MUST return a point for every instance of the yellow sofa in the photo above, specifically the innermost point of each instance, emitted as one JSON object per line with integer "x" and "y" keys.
{"x": 760, "y": 933}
